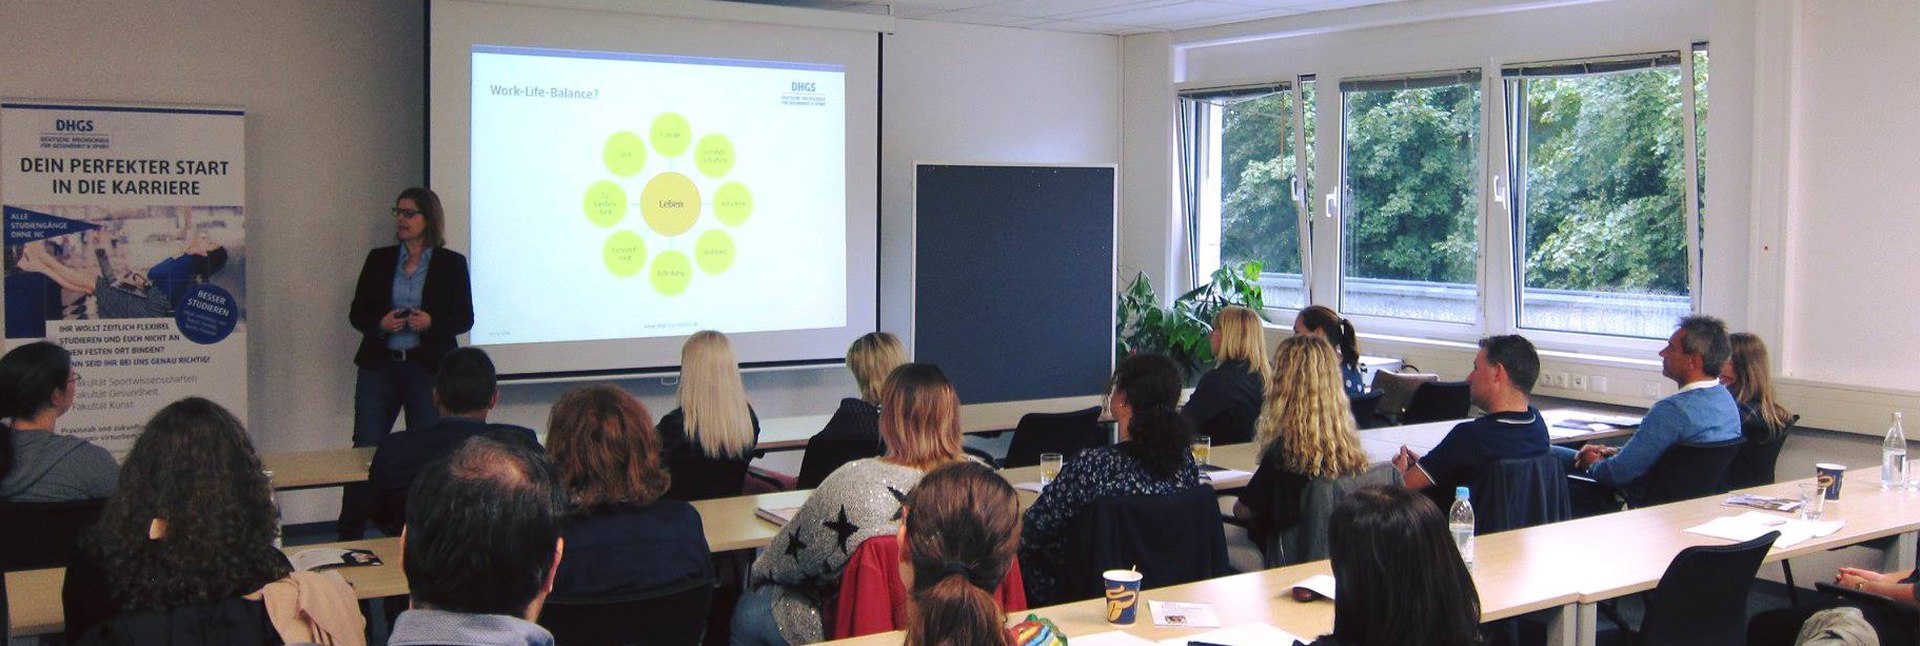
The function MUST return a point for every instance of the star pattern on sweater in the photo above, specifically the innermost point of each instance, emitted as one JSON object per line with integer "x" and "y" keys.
{"x": 795, "y": 546}
{"x": 844, "y": 528}
{"x": 899, "y": 498}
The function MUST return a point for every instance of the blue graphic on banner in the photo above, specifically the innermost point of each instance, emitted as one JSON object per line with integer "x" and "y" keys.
{"x": 24, "y": 226}
{"x": 207, "y": 315}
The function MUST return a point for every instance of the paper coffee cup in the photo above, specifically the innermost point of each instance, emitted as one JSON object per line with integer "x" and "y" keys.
{"x": 1123, "y": 595}
{"x": 1829, "y": 475}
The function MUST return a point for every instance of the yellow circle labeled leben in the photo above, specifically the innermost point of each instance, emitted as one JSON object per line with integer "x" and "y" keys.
{"x": 624, "y": 154}
{"x": 714, "y": 155}
{"x": 670, "y": 203}
{"x": 671, "y": 273}
{"x": 606, "y": 203}
{"x": 714, "y": 252}
{"x": 732, "y": 204}
{"x": 625, "y": 253}
{"x": 671, "y": 135}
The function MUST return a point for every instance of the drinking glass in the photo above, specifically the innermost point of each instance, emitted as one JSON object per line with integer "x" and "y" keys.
{"x": 1050, "y": 467}
{"x": 1813, "y": 498}
{"x": 1202, "y": 449}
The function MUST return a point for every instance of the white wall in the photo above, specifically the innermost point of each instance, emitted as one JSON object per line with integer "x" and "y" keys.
{"x": 335, "y": 120}
{"x": 1853, "y": 229}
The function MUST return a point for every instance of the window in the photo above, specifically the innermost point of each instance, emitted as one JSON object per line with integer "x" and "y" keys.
{"x": 1410, "y": 244}
{"x": 1242, "y": 188}
{"x": 1598, "y": 150}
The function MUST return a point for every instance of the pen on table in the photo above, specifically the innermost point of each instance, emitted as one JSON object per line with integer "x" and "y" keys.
{"x": 1195, "y": 643}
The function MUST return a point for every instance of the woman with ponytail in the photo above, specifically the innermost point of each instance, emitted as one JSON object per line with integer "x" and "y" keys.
{"x": 957, "y": 542}
{"x": 1323, "y": 322}
{"x": 1153, "y": 457}
{"x": 37, "y": 463}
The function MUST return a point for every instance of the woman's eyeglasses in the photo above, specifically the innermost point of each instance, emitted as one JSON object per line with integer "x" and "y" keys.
{"x": 397, "y": 212}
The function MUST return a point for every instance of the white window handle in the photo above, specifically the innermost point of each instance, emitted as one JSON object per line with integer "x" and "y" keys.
{"x": 1333, "y": 204}
{"x": 1500, "y": 189}
{"x": 1295, "y": 184}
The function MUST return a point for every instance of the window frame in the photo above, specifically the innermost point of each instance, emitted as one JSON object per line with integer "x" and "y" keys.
{"x": 1190, "y": 212}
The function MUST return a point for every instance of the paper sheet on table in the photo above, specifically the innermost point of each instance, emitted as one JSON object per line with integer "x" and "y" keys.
{"x": 1228, "y": 475}
{"x": 1112, "y": 638}
{"x": 1320, "y": 584}
{"x": 1174, "y": 614}
{"x": 1253, "y": 634}
{"x": 1753, "y": 524}
{"x": 1029, "y": 486}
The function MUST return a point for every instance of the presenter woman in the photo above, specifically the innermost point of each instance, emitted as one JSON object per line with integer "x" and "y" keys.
{"x": 413, "y": 300}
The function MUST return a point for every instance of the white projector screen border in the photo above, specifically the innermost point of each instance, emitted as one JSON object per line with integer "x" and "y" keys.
{"x": 455, "y": 26}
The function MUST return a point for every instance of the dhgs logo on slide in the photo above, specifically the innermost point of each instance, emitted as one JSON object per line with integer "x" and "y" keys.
{"x": 73, "y": 125}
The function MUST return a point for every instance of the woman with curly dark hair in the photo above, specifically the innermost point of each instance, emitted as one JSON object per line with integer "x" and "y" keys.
{"x": 1152, "y": 458}
{"x": 185, "y": 541}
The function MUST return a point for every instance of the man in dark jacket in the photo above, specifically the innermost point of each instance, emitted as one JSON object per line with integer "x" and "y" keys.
{"x": 465, "y": 392}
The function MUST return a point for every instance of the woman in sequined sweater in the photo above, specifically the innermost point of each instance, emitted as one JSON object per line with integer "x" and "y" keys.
{"x": 800, "y": 569}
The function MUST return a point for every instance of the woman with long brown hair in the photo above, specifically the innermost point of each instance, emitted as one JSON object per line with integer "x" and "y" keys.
{"x": 1400, "y": 578}
{"x": 801, "y": 568}
{"x": 186, "y": 544}
{"x": 957, "y": 543}
{"x": 623, "y": 540}
{"x": 1323, "y": 322}
{"x": 1749, "y": 376}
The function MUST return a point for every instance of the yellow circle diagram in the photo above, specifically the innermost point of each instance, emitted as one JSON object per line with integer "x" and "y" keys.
{"x": 732, "y": 204}
{"x": 714, "y": 251}
{"x": 625, "y": 154}
{"x": 670, "y": 203}
{"x": 714, "y": 155}
{"x": 671, "y": 273}
{"x": 625, "y": 253}
{"x": 606, "y": 203}
{"x": 671, "y": 135}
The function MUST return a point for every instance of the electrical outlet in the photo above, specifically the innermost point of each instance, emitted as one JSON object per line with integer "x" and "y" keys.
{"x": 1579, "y": 382}
{"x": 1599, "y": 383}
{"x": 1562, "y": 380}
{"x": 1650, "y": 389}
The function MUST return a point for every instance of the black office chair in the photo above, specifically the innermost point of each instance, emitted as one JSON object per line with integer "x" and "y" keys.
{"x": 1702, "y": 598}
{"x": 1437, "y": 401}
{"x": 705, "y": 479}
{"x": 1172, "y": 538}
{"x": 1753, "y": 465}
{"x": 677, "y": 619}
{"x": 1366, "y": 410}
{"x": 38, "y": 535}
{"x": 1687, "y": 472}
{"x": 1063, "y": 433}
{"x": 1517, "y": 493}
{"x": 824, "y": 455}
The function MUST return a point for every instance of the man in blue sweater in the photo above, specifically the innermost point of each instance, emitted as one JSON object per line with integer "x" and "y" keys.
{"x": 1702, "y": 413}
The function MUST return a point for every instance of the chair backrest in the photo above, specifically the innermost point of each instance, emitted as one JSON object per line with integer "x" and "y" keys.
{"x": 1685, "y": 472}
{"x": 873, "y": 599}
{"x": 36, "y": 535}
{"x": 1436, "y": 401}
{"x": 1307, "y": 540}
{"x": 1521, "y": 492}
{"x": 1063, "y": 433}
{"x": 1753, "y": 465}
{"x": 1399, "y": 387}
{"x": 1173, "y": 538}
{"x": 1366, "y": 410}
{"x": 1702, "y": 598}
{"x": 704, "y": 479}
{"x": 676, "y": 619}
{"x": 823, "y": 455}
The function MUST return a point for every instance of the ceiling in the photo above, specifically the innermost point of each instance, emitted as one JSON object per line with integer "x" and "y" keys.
{"x": 1118, "y": 17}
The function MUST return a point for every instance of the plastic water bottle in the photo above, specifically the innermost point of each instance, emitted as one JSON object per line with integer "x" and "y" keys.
{"x": 1893, "y": 457}
{"x": 273, "y": 495}
{"x": 1460, "y": 520}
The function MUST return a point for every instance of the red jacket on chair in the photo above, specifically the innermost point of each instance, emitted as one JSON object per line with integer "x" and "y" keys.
{"x": 873, "y": 599}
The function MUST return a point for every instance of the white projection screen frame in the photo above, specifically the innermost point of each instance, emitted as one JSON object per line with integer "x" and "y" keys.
{"x": 456, "y": 27}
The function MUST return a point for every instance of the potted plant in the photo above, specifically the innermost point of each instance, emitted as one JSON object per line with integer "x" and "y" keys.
{"x": 1181, "y": 330}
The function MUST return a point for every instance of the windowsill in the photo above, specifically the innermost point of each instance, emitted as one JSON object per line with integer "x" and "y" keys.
{"x": 1575, "y": 355}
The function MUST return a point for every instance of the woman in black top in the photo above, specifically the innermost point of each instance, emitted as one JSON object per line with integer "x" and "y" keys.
{"x": 1400, "y": 578}
{"x": 623, "y": 540}
{"x": 1322, "y": 321}
{"x": 1226, "y": 402}
{"x": 412, "y": 302}
{"x": 854, "y": 430}
{"x": 1306, "y": 432}
{"x": 708, "y": 441}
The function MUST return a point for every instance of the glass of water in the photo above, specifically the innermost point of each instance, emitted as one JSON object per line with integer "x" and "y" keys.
{"x": 1050, "y": 467}
{"x": 1813, "y": 497}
